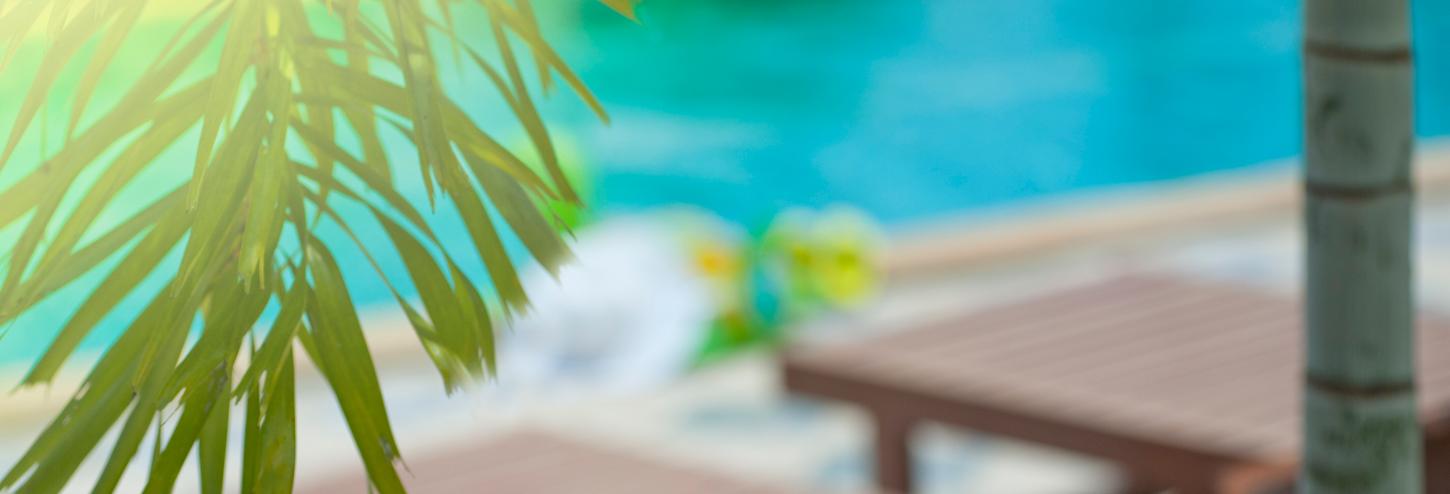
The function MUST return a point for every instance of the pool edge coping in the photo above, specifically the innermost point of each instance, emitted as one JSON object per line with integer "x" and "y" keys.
{"x": 1271, "y": 190}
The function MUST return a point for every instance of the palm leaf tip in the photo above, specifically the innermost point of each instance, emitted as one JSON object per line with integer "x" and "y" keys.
{"x": 624, "y": 7}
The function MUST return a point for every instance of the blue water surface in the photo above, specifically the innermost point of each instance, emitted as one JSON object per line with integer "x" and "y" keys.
{"x": 914, "y": 110}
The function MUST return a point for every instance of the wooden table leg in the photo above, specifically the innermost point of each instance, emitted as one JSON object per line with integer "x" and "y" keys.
{"x": 893, "y": 453}
{"x": 1437, "y": 465}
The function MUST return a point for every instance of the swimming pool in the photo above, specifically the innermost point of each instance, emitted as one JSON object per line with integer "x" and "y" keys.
{"x": 918, "y": 109}
{"x": 908, "y": 110}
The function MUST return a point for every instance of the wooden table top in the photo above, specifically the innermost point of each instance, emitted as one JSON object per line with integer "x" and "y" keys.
{"x": 1203, "y": 367}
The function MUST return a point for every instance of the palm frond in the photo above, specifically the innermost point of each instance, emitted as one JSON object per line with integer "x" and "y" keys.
{"x": 259, "y": 94}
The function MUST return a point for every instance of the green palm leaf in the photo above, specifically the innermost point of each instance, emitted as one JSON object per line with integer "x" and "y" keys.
{"x": 234, "y": 83}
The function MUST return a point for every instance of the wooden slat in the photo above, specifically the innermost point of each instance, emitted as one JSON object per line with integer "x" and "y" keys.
{"x": 1161, "y": 364}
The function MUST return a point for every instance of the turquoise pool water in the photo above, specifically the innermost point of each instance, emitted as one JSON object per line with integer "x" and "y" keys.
{"x": 908, "y": 110}
{"x": 920, "y": 109}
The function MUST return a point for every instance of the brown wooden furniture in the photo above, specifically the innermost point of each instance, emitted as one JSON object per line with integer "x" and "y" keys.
{"x": 537, "y": 463}
{"x": 1189, "y": 385}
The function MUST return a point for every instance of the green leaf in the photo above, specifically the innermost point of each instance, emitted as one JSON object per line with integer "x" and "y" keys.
{"x": 269, "y": 358}
{"x": 342, "y": 355}
{"x": 16, "y": 24}
{"x": 185, "y": 28}
{"x": 419, "y": 74}
{"x": 211, "y": 453}
{"x": 216, "y": 218}
{"x": 251, "y": 434}
{"x": 263, "y": 218}
{"x": 162, "y": 134}
{"x": 513, "y": 203}
{"x": 488, "y": 243}
{"x": 277, "y": 462}
{"x": 127, "y": 275}
{"x": 150, "y": 399}
{"x": 105, "y": 52}
{"x": 242, "y": 38}
{"x": 452, "y": 322}
{"x": 205, "y": 375}
{"x": 28, "y": 192}
{"x": 450, "y": 362}
{"x": 197, "y": 407}
{"x": 542, "y": 51}
{"x": 107, "y": 392}
{"x": 526, "y": 12}
{"x": 363, "y": 90}
{"x": 376, "y": 182}
{"x": 56, "y": 57}
{"x": 66, "y": 268}
{"x": 527, "y": 114}
{"x": 230, "y": 312}
{"x": 467, "y": 296}
{"x": 61, "y": 172}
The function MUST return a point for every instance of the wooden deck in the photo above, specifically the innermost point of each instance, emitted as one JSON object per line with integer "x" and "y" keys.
{"x": 1193, "y": 385}
{"x": 535, "y": 463}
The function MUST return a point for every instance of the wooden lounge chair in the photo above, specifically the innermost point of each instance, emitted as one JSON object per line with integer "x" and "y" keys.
{"x": 538, "y": 463}
{"x": 1187, "y": 385}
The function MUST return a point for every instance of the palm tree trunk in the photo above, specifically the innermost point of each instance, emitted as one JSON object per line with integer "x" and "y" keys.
{"x": 1361, "y": 433}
